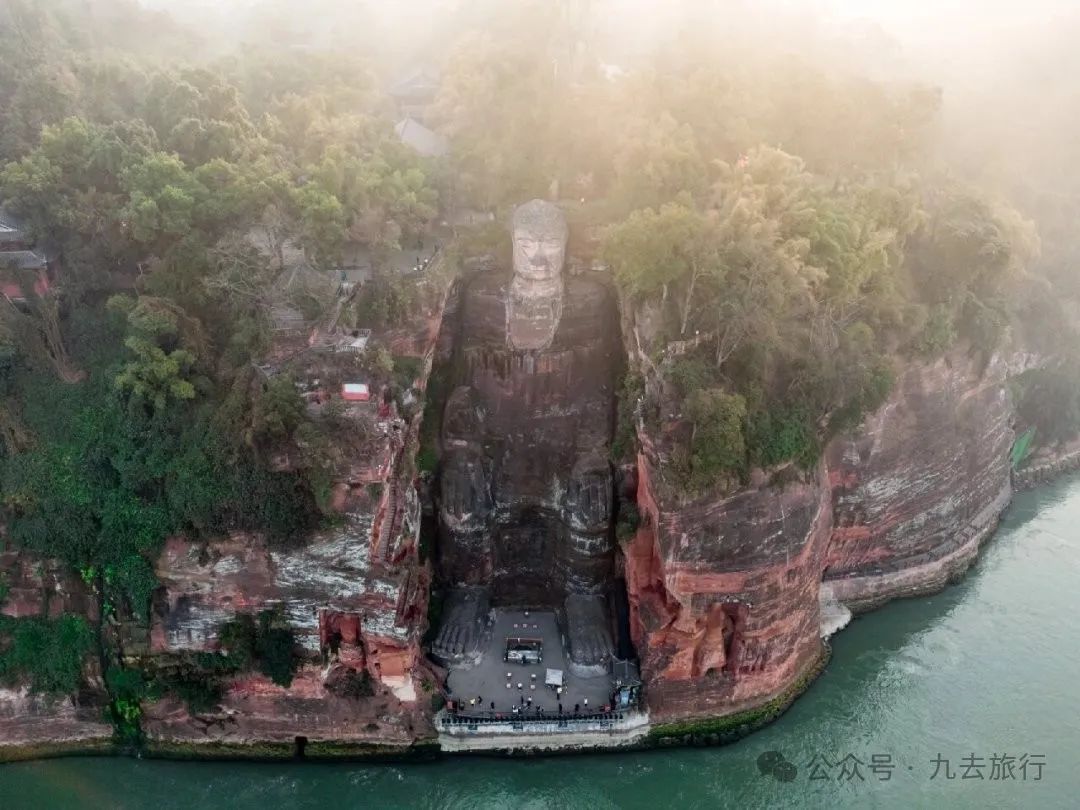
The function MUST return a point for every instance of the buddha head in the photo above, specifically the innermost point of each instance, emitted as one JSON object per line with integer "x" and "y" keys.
{"x": 540, "y": 234}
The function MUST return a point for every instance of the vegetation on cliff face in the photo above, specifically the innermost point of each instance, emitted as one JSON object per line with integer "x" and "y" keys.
{"x": 265, "y": 642}
{"x": 182, "y": 186}
{"x": 782, "y": 280}
{"x": 48, "y": 654}
{"x": 146, "y": 446}
{"x": 1048, "y": 400}
{"x": 780, "y": 297}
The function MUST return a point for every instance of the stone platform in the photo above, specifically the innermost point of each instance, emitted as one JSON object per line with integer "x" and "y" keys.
{"x": 487, "y": 678}
{"x": 596, "y": 732}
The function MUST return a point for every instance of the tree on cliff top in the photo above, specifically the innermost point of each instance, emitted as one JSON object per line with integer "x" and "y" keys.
{"x": 740, "y": 267}
{"x": 716, "y": 447}
{"x": 801, "y": 288}
{"x": 763, "y": 211}
{"x": 158, "y": 177}
{"x": 652, "y": 251}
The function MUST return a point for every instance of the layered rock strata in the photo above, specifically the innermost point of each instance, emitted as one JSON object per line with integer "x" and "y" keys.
{"x": 355, "y": 596}
{"x": 725, "y": 590}
{"x": 919, "y": 487}
{"x": 724, "y": 593}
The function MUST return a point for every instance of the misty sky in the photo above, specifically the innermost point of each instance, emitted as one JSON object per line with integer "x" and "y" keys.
{"x": 915, "y": 21}
{"x": 1014, "y": 57}
{"x": 945, "y": 36}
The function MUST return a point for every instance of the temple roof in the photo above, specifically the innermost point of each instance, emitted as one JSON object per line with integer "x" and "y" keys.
{"x": 425, "y": 141}
{"x": 10, "y": 227}
{"x": 23, "y": 259}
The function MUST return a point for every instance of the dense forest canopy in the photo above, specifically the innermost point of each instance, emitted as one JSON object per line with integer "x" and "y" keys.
{"x": 786, "y": 225}
{"x": 131, "y": 408}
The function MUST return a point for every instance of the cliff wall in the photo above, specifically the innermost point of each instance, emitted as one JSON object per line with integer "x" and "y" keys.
{"x": 921, "y": 484}
{"x": 1048, "y": 464}
{"x": 355, "y": 596}
{"x": 724, "y": 593}
{"x": 47, "y": 588}
{"x": 724, "y": 590}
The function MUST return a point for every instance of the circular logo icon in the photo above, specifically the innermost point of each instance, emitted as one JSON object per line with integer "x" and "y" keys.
{"x": 774, "y": 764}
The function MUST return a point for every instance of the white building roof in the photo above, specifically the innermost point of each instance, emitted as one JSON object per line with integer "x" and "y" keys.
{"x": 425, "y": 141}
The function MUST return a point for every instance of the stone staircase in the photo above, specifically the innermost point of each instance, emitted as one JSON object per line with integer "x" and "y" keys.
{"x": 390, "y": 524}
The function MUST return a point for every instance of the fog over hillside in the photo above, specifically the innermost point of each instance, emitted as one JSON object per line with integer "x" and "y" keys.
{"x": 1006, "y": 68}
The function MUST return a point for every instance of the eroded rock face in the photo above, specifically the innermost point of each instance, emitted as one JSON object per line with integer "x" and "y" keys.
{"x": 32, "y": 720}
{"x": 328, "y": 586}
{"x": 350, "y": 604}
{"x": 724, "y": 591}
{"x": 253, "y": 710}
{"x": 922, "y": 483}
{"x": 36, "y": 587}
{"x": 356, "y": 596}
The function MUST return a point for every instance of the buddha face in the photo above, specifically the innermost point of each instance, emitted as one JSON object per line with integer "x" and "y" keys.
{"x": 538, "y": 256}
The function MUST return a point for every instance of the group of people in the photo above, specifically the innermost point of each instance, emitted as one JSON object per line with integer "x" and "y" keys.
{"x": 423, "y": 263}
{"x": 524, "y": 706}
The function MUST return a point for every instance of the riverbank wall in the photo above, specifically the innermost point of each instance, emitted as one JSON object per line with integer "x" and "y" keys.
{"x": 1045, "y": 468}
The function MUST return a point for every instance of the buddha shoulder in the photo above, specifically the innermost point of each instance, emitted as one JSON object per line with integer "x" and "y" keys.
{"x": 588, "y": 290}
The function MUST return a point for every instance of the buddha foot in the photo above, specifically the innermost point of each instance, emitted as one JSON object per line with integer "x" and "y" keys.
{"x": 589, "y": 631}
{"x": 465, "y": 627}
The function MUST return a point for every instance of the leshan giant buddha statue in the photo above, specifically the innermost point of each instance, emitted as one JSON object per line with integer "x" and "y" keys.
{"x": 525, "y": 487}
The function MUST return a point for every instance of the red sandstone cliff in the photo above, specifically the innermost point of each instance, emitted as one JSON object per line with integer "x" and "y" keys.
{"x": 362, "y": 584}
{"x": 724, "y": 593}
{"x": 34, "y": 587}
{"x": 724, "y": 590}
{"x": 921, "y": 484}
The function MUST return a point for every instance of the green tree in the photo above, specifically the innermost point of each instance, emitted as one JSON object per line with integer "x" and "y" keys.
{"x": 322, "y": 221}
{"x": 48, "y": 652}
{"x": 717, "y": 447}
{"x": 161, "y": 199}
{"x": 651, "y": 251}
{"x": 496, "y": 105}
{"x": 656, "y": 160}
{"x": 156, "y": 377}
{"x": 279, "y": 409}
{"x": 971, "y": 244}
{"x": 265, "y": 642}
{"x": 762, "y": 210}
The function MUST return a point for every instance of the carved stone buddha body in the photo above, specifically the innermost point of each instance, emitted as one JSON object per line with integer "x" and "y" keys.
{"x": 525, "y": 487}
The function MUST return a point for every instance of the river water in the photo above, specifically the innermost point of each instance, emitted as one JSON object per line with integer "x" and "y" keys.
{"x": 955, "y": 683}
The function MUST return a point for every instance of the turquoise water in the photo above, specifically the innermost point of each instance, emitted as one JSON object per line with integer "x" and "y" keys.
{"x": 989, "y": 667}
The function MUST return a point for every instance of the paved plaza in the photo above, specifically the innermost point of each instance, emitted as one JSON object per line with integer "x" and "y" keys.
{"x": 488, "y": 678}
